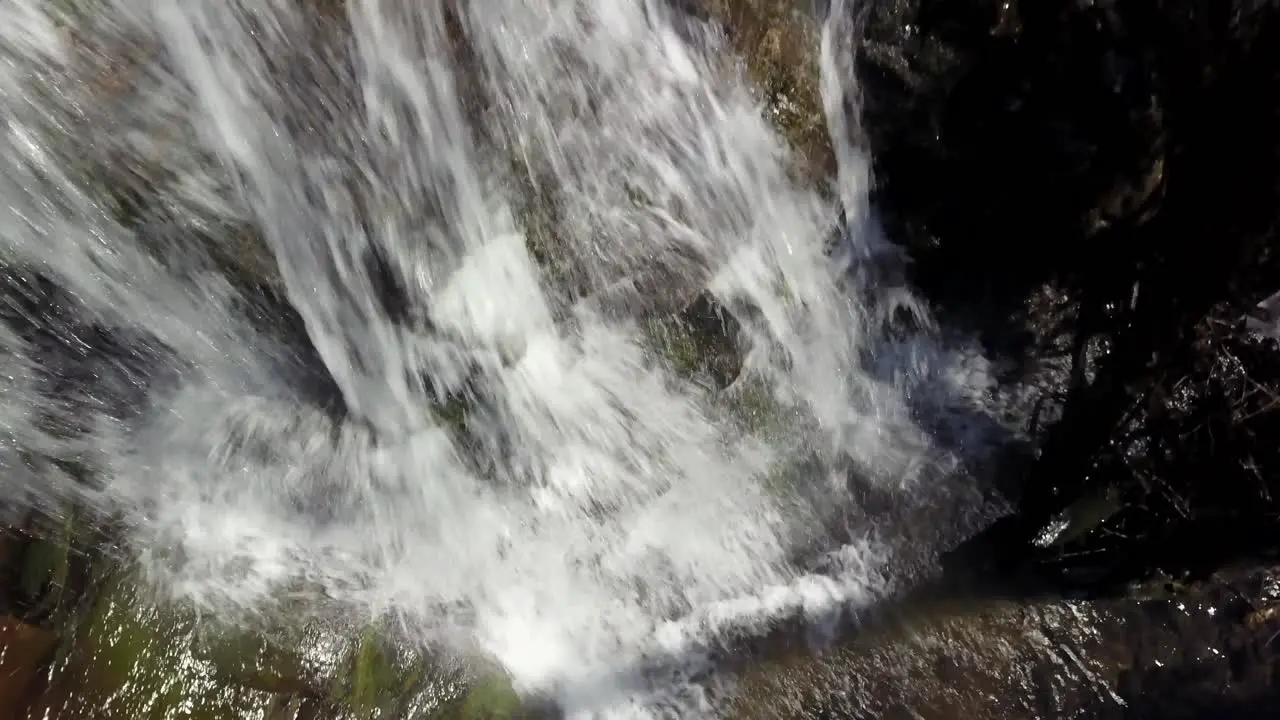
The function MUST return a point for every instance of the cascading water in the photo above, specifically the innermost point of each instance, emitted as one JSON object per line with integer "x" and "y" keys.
{"x": 496, "y": 453}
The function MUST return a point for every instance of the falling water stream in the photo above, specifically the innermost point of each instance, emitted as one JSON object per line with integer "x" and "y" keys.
{"x": 475, "y": 435}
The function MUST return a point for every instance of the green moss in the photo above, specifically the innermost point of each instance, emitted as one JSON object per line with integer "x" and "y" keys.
{"x": 453, "y": 411}
{"x": 45, "y": 570}
{"x": 379, "y": 679}
{"x": 371, "y": 673}
{"x": 130, "y": 658}
{"x": 250, "y": 660}
{"x": 756, "y": 406}
{"x": 487, "y": 697}
{"x": 675, "y": 342}
{"x": 490, "y": 698}
{"x": 537, "y": 211}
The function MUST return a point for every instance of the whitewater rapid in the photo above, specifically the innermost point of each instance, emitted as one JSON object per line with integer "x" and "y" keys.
{"x": 589, "y": 510}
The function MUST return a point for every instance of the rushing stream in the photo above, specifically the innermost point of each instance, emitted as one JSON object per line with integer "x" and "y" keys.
{"x": 478, "y": 211}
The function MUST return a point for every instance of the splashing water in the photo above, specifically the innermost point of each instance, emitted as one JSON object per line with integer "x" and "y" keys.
{"x": 588, "y": 509}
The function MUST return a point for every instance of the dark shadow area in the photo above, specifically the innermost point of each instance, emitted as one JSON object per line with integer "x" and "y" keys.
{"x": 1213, "y": 652}
{"x": 1190, "y": 693}
{"x": 1121, "y": 159}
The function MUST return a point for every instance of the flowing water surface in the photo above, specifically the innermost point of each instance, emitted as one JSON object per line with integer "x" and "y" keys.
{"x": 345, "y": 311}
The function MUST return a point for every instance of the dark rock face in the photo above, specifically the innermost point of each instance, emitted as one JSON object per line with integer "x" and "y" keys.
{"x": 1021, "y": 127}
{"x": 1022, "y": 141}
{"x": 81, "y": 371}
{"x": 1125, "y": 155}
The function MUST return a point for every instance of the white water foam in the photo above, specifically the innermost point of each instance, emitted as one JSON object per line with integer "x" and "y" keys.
{"x": 596, "y": 513}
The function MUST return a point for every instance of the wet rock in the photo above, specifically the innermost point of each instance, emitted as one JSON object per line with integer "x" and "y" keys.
{"x": 997, "y": 661}
{"x": 12, "y": 543}
{"x": 1265, "y": 319}
{"x": 1193, "y": 653}
{"x": 297, "y": 360}
{"x": 46, "y": 567}
{"x": 85, "y": 371}
{"x": 704, "y": 339}
{"x": 248, "y": 659}
{"x": 25, "y": 651}
{"x": 778, "y": 41}
{"x": 1080, "y": 518}
{"x": 128, "y": 658}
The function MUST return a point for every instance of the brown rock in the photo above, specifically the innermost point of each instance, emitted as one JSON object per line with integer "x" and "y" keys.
{"x": 24, "y": 652}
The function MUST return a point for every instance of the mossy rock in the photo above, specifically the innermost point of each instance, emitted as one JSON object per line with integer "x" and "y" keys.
{"x": 249, "y": 659}
{"x": 702, "y": 340}
{"x": 490, "y": 698}
{"x": 487, "y": 697}
{"x": 779, "y": 44}
{"x": 377, "y": 678}
{"x": 129, "y": 659}
{"x": 45, "y": 568}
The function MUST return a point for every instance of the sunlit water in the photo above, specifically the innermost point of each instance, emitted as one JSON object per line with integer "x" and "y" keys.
{"x": 596, "y": 514}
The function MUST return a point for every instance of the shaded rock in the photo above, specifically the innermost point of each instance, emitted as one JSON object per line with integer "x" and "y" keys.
{"x": 25, "y": 651}
{"x": 1121, "y": 160}
{"x": 1007, "y": 132}
{"x": 1097, "y": 143}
